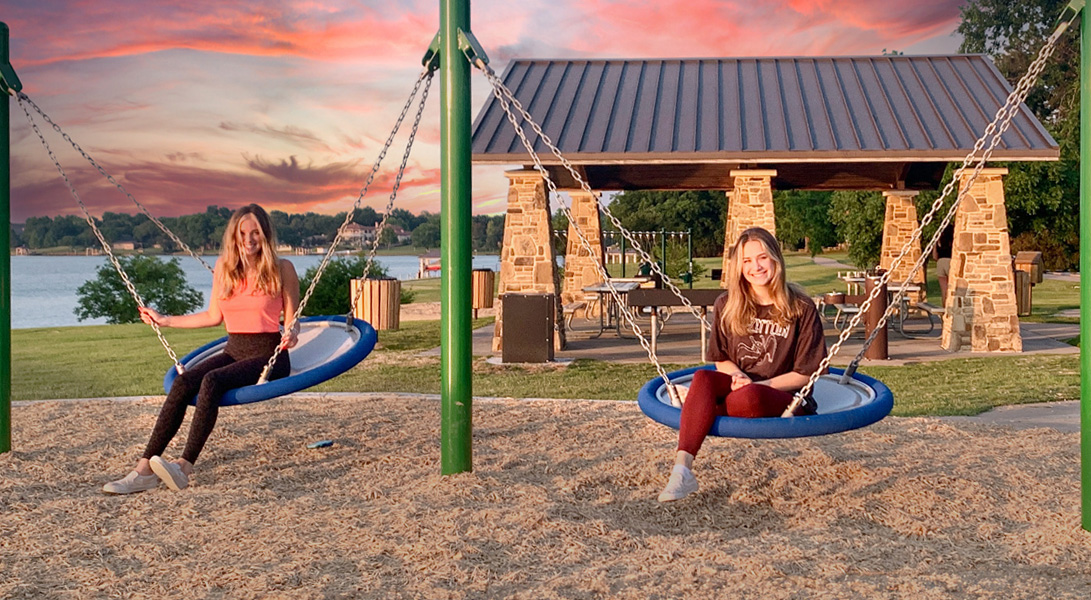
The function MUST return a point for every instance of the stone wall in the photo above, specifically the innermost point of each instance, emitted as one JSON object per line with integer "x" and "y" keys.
{"x": 581, "y": 268}
{"x": 527, "y": 260}
{"x": 980, "y": 308}
{"x": 750, "y": 204}
{"x": 898, "y": 226}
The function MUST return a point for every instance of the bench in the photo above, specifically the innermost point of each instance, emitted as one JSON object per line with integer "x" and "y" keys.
{"x": 569, "y": 311}
{"x": 655, "y": 299}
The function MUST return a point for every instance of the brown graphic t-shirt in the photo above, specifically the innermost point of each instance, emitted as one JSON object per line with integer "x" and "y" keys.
{"x": 771, "y": 349}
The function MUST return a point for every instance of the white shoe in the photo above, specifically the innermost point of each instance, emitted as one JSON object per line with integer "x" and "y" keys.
{"x": 171, "y": 473}
{"x": 131, "y": 483}
{"x": 681, "y": 484}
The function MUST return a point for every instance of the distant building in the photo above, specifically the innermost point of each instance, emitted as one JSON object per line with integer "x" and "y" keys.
{"x": 127, "y": 245}
{"x": 357, "y": 235}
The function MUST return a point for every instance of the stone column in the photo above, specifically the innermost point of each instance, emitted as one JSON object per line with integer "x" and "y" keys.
{"x": 581, "y": 268}
{"x": 527, "y": 260}
{"x": 980, "y": 306}
{"x": 898, "y": 226}
{"x": 750, "y": 204}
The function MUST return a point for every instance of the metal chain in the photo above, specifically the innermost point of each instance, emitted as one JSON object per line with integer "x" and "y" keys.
{"x": 24, "y": 98}
{"x": 993, "y": 133}
{"x": 507, "y": 100}
{"x": 425, "y": 77}
{"x": 394, "y": 191}
{"x": 98, "y": 234}
{"x": 647, "y": 258}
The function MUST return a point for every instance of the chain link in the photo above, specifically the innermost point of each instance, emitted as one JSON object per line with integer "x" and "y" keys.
{"x": 98, "y": 234}
{"x": 979, "y": 155}
{"x": 24, "y": 98}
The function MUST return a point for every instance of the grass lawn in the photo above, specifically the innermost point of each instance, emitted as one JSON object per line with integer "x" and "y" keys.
{"x": 127, "y": 360}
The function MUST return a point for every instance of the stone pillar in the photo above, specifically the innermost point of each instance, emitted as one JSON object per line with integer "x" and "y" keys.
{"x": 581, "y": 268}
{"x": 750, "y": 204}
{"x": 898, "y": 226}
{"x": 980, "y": 306}
{"x": 527, "y": 260}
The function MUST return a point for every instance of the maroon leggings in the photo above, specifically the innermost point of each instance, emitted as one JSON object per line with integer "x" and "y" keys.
{"x": 710, "y": 396}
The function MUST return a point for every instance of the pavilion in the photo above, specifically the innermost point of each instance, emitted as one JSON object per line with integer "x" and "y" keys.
{"x": 748, "y": 126}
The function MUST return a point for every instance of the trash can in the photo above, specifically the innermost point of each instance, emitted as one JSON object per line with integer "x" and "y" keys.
{"x": 1031, "y": 262}
{"x": 484, "y": 282}
{"x": 527, "y": 328}
{"x": 1022, "y": 292}
{"x": 378, "y": 301}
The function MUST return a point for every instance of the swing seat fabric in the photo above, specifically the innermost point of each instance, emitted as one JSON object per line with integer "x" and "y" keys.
{"x": 860, "y": 402}
{"x": 326, "y": 348}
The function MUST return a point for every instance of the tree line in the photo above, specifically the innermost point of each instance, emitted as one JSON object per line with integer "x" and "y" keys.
{"x": 204, "y": 231}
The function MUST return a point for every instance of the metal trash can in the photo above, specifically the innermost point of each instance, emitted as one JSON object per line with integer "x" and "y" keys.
{"x": 527, "y": 328}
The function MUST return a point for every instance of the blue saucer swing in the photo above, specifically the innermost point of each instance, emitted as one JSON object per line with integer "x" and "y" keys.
{"x": 859, "y": 402}
{"x": 327, "y": 347}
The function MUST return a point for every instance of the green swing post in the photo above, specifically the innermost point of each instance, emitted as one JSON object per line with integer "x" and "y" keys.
{"x": 1085, "y": 269}
{"x": 456, "y": 333}
{"x": 9, "y": 83}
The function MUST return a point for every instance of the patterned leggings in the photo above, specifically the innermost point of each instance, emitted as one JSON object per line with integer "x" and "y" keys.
{"x": 710, "y": 396}
{"x": 239, "y": 365}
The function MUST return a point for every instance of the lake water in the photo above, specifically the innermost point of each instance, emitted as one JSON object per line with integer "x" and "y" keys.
{"x": 43, "y": 288}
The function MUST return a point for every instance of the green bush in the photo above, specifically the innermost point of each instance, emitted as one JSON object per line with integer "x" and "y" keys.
{"x": 162, "y": 285}
{"x": 332, "y": 294}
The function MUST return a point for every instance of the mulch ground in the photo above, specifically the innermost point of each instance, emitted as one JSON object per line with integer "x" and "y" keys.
{"x": 561, "y": 504}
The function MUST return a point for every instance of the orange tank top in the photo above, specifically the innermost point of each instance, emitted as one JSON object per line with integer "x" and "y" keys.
{"x": 250, "y": 311}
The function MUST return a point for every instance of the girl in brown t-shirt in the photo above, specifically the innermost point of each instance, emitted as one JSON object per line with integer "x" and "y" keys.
{"x": 767, "y": 340}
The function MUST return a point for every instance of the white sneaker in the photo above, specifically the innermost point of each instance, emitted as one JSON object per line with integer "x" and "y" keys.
{"x": 131, "y": 483}
{"x": 681, "y": 484}
{"x": 171, "y": 473}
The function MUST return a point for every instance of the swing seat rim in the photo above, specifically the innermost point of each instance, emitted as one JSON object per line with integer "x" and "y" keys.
{"x": 653, "y": 404}
{"x": 366, "y": 338}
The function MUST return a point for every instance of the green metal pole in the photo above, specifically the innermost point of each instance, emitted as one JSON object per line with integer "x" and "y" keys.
{"x": 5, "y": 264}
{"x": 456, "y": 356}
{"x": 1085, "y": 271}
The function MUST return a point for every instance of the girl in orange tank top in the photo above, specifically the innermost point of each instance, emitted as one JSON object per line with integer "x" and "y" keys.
{"x": 251, "y": 290}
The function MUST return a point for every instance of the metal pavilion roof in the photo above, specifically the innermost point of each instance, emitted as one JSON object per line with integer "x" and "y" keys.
{"x": 883, "y": 122}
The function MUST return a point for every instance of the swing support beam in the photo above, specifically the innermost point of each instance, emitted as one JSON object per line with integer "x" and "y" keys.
{"x": 1085, "y": 263}
{"x": 456, "y": 333}
{"x": 9, "y": 84}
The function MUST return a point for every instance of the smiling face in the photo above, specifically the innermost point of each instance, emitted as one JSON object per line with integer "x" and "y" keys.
{"x": 249, "y": 237}
{"x": 758, "y": 267}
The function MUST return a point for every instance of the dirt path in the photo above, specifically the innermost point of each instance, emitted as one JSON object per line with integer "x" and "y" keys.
{"x": 561, "y": 505}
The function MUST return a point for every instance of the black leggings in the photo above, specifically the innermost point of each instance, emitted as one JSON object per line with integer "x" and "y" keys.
{"x": 239, "y": 365}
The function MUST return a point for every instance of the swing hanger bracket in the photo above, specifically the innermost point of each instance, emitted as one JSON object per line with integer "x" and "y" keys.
{"x": 467, "y": 44}
{"x": 1070, "y": 12}
{"x": 9, "y": 81}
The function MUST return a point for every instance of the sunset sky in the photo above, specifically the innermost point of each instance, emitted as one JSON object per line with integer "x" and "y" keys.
{"x": 287, "y": 103}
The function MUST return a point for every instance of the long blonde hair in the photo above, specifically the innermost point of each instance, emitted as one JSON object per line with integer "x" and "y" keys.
{"x": 742, "y": 304}
{"x": 233, "y": 271}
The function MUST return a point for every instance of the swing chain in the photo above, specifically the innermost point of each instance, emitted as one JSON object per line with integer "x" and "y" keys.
{"x": 23, "y": 97}
{"x": 654, "y": 265}
{"x": 993, "y": 132}
{"x": 424, "y": 77}
{"x": 503, "y": 96}
{"x": 98, "y": 234}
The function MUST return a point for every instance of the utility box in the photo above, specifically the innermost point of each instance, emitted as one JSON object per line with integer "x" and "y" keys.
{"x": 1031, "y": 262}
{"x": 528, "y": 327}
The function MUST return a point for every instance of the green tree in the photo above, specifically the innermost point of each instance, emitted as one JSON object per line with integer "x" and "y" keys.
{"x": 332, "y": 294}
{"x": 426, "y": 235}
{"x": 803, "y": 220}
{"x": 161, "y": 284}
{"x": 859, "y": 217}
{"x": 1042, "y": 197}
{"x": 700, "y": 212}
